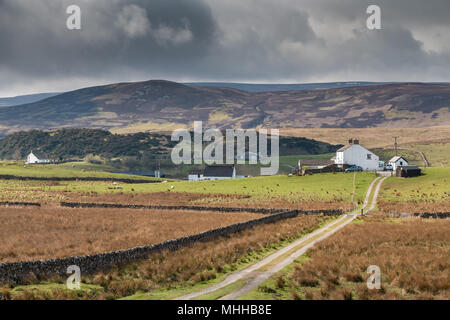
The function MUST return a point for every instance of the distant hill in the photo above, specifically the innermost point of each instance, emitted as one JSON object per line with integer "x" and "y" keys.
{"x": 30, "y": 98}
{"x": 252, "y": 87}
{"x": 164, "y": 105}
{"x": 77, "y": 143}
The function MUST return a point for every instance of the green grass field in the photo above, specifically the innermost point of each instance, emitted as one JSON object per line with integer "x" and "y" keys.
{"x": 65, "y": 170}
{"x": 320, "y": 187}
{"x": 337, "y": 187}
{"x": 438, "y": 154}
{"x": 433, "y": 185}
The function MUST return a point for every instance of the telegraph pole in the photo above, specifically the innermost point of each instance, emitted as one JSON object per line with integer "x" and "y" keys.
{"x": 395, "y": 145}
{"x": 158, "y": 168}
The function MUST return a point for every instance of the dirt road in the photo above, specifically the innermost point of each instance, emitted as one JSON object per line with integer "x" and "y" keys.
{"x": 256, "y": 274}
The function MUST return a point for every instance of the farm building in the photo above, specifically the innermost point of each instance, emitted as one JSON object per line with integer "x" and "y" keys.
{"x": 314, "y": 164}
{"x": 397, "y": 161}
{"x": 354, "y": 154}
{"x": 195, "y": 175}
{"x": 219, "y": 172}
{"x": 408, "y": 171}
{"x": 36, "y": 157}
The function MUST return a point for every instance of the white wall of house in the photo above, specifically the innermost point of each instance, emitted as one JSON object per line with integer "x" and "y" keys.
{"x": 359, "y": 156}
{"x": 316, "y": 166}
{"x": 195, "y": 177}
{"x": 32, "y": 159}
{"x": 398, "y": 162}
{"x": 217, "y": 178}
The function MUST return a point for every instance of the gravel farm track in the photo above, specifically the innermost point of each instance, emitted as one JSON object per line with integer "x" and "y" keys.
{"x": 256, "y": 274}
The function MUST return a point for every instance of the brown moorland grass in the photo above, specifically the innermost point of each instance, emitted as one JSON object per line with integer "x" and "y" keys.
{"x": 36, "y": 191}
{"x": 374, "y": 137}
{"x": 186, "y": 266}
{"x": 211, "y": 200}
{"x": 413, "y": 255}
{"x": 18, "y": 190}
{"x": 155, "y": 198}
{"x": 412, "y": 206}
{"x": 43, "y": 233}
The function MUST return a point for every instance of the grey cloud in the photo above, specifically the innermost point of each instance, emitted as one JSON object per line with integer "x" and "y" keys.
{"x": 232, "y": 40}
{"x": 141, "y": 35}
{"x": 133, "y": 20}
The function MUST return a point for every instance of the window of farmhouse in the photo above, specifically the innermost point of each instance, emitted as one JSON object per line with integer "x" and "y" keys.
{"x": 369, "y": 156}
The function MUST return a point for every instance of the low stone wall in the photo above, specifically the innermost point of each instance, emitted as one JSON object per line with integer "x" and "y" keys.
{"x": 21, "y": 204}
{"x": 18, "y": 272}
{"x": 428, "y": 215}
{"x": 122, "y": 180}
{"x": 329, "y": 212}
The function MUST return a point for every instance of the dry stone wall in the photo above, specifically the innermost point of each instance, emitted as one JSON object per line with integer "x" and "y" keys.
{"x": 18, "y": 272}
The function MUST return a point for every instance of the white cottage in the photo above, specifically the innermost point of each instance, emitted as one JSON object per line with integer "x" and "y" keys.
{"x": 36, "y": 157}
{"x": 398, "y": 161}
{"x": 354, "y": 154}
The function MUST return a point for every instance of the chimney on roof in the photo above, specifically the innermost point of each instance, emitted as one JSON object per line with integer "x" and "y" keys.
{"x": 350, "y": 141}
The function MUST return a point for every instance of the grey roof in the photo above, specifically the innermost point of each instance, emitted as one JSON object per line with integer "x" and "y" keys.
{"x": 40, "y": 155}
{"x": 344, "y": 148}
{"x": 219, "y": 171}
{"x": 350, "y": 145}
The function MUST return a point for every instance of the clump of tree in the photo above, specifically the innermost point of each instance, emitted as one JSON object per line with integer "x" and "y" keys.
{"x": 78, "y": 143}
{"x": 93, "y": 159}
{"x": 146, "y": 161}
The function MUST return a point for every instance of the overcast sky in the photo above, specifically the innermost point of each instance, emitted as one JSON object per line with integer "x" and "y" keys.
{"x": 276, "y": 41}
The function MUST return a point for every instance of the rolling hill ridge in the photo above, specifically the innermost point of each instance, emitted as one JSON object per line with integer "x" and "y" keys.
{"x": 164, "y": 105}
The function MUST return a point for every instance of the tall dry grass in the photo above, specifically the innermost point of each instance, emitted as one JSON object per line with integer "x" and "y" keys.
{"x": 200, "y": 261}
{"x": 413, "y": 255}
{"x": 188, "y": 265}
{"x": 199, "y": 199}
{"x": 373, "y": 137}
{"x": 413, "y": 206}
{"x": 43, "y": 233}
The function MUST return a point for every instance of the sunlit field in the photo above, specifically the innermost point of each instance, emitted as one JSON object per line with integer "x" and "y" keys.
{"x": 412, "y": 255}
{"x": 32, "y": 234}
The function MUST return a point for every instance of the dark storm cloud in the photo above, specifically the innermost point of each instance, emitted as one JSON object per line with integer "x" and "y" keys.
{"x": 407, "y": 49}
{"x": 115, "y": 36}
{"x": 238, "y": 40}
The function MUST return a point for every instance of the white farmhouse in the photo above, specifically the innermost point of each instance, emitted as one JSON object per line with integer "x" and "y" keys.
{"x": 36, "y": 157}
{"x": 354, "y": 154}
{"x": 398, "y": 162}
